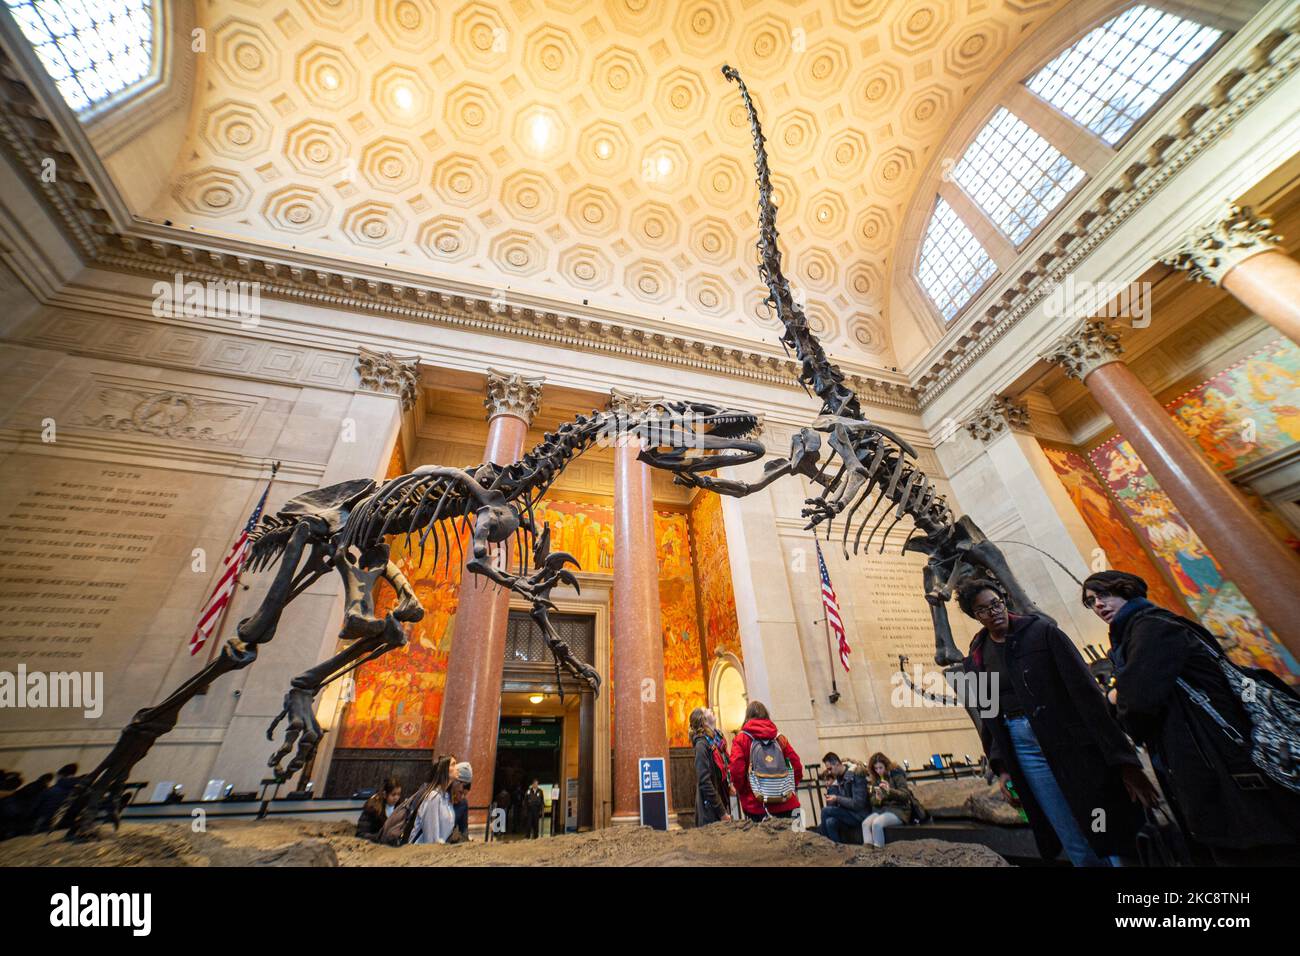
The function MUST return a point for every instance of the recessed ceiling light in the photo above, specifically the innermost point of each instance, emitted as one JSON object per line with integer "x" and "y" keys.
{"x": 329, "y": 78}
{"x": 603, "y": 148}
{"x": 539, "y": 130}
{"x": 403, "y": 97}
{"x": 664, "y": 165}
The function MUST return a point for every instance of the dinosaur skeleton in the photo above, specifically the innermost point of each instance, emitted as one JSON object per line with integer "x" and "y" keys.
{"x": 872, "y": 460}
{"x": 346, "y": 527}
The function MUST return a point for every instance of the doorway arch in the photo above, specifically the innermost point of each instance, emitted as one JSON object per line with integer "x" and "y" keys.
{"x": 728, "y": 694}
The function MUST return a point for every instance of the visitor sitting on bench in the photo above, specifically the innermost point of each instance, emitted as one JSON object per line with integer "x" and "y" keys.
{"x": 377, "y": 809}
{"x": 891, "y": 800}
{"x": 846, "y": 806}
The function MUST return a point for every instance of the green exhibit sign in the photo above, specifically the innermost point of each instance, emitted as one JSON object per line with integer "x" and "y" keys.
{"x": 529, "y": 733}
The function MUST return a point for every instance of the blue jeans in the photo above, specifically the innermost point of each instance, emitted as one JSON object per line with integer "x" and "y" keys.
{"x": 1038, "y": 777}
{"x": 836, "y": 821}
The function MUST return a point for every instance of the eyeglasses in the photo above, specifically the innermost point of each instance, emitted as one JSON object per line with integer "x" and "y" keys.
{"x": 987, "y": 609}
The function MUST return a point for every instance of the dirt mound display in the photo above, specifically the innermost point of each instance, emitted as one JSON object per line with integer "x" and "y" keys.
{"x": 302, "y": 843}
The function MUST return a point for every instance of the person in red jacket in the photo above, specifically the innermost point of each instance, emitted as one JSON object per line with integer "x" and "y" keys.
{"x": 758, "y": 726}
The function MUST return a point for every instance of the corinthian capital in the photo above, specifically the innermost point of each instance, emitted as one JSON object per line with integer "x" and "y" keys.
{"x": 1208, "y": 252}
{"x": 1085, "y": 348}
{"x": 631, "y": 403}
{"x": 390, "y": 374}
{"x": 509, "y": 393}
{"x": 998, "y": 414}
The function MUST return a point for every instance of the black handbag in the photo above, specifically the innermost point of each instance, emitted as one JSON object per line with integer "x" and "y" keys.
{"x": 1160, "y": 841}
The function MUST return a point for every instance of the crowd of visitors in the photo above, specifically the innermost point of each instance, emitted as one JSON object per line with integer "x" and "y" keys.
{"x": 33, "y": 807}
{"x": 1066, "y": 752}
{"x": 1072, "y": 756}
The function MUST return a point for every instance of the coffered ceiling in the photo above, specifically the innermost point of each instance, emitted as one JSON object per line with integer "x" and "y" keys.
{"x": 579, "y": 150}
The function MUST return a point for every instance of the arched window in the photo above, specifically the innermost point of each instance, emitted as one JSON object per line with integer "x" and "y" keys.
{"x": 1013, "y": 176}
{"x": 954, "y": 266}
{"x": 1114, "y": 76}
{"x": 92, "y": 49}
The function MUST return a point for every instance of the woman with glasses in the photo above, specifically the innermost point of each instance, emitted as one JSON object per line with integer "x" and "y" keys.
{"x": 1048, "y": 732}
{"x": 1171, "y": 691}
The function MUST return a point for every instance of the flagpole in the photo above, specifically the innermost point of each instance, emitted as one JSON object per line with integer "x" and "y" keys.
{"x": 826, "y": 620}
{"x": 215, "y": 640}
{"x": 830, "y": 657}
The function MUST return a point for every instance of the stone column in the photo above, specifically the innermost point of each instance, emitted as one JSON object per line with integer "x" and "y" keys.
{"x": 1240, "y": 253}
{"x": 586, "y": 761}
{"x": 471, "y": 703}
{"x": 640, "y": 718}
{"x": 1267, "y": 572}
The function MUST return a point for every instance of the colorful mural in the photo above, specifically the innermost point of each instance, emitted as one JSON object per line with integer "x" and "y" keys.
{"x": 717, "y": 598}
{"x": 583, "y": 529}
{"x": 397, "y": 699}
{"x": 684, "y": 677}
{"x": 1249, "y": 410}
{"x": 1123, "y": 550}
{"x": 1218, "y": 602}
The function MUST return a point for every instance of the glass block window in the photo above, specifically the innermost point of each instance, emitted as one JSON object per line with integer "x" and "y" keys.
{"x": 1114, "y": 76}
{"x": 1015, "y": 175}
{"x": 91, "y": 48}
{"x": 953, "y": 266}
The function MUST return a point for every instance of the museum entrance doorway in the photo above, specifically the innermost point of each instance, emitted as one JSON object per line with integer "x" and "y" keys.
{"x": 543, "y": 735}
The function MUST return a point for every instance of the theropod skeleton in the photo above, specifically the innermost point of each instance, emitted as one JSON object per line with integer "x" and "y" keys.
{"x": 346, "y": 527}
{"x": 869, "y": 460}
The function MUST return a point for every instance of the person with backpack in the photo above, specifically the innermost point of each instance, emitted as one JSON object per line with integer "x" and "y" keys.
{"x": 846, "y": 800}
{"x": 1075, "y": 773}
{"x": 712, "y": 783}
{"x": 377, "y": 810}
{"x": 1174, "y": 694}
{"x": 891, "y": 799}
{"x": 426, "y": 816}
{"x": 765, "y": 770}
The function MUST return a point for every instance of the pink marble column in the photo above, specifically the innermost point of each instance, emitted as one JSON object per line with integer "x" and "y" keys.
{"x": 1239, "y": 252}
{"x": 471, "y": 703}
{"x": 1266, "y": 570}
{"x": 640, "y": 718}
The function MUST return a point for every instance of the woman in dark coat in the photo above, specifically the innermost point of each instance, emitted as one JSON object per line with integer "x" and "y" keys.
{"x": 1076, "y": 774}
{"x": 712, "y": 793}
{"x": 377, "y": 809}
{"x": 1221, "y": 799}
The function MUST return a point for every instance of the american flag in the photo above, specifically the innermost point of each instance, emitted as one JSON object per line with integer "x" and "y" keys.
{"x": 215, "y": 609}
{"x": 833, "y": 610}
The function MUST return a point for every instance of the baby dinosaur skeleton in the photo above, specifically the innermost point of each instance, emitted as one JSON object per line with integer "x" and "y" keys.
{"x": 345, "y": 527}
{"x": 871, "y": 458}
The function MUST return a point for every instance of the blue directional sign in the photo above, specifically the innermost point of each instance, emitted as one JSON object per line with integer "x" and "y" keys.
{"x": 653, "y": 784}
